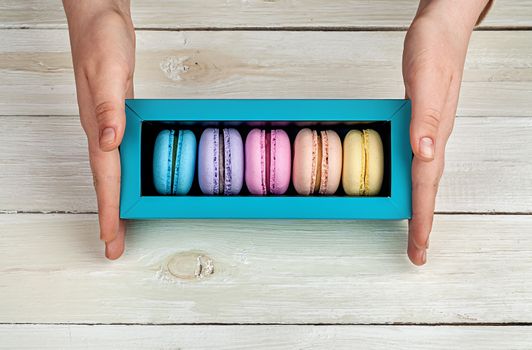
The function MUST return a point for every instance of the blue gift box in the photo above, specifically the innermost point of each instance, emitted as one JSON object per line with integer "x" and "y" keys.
{"x": 145, "y": 118}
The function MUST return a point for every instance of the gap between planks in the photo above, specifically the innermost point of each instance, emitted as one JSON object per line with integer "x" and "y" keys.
{"x": 231, "y": 324}
{"x": 284, "y": 29}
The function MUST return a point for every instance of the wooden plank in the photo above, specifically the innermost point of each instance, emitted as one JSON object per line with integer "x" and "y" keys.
{"x": 257, "y": 13}
{"x": 52, "y": 270}
{"x": 36, "y": 75}
{"x": 262, "y": 337}
{"x": 484, "y": 157}
{"x": 45, "y": 166}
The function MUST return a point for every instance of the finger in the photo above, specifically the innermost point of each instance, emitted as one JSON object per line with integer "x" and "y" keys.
{"x": 108, "y": 87}
{"x": 425, "y": 181}
{"x": 427, "y": 86}
{"x": 105, "y": 167}
{"x": 105, "y": 164}
{"x": 106, "y": 176}
{"x": 115, "y": 248}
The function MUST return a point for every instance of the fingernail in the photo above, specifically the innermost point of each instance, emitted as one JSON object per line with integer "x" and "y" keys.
{"x": 107, "y": 137}
{"x": 419, "y": 257}
{"x": 426, "y": 147}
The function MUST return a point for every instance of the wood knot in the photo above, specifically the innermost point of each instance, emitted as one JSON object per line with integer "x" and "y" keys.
{"x": 173, "y": 67}
{"x": 200, "y": 66}
{"x": 191, "y": 265}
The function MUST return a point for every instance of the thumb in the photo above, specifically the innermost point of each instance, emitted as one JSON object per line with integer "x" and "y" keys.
{"x": 428, "y": 90}
{"x": 108, "y": 91}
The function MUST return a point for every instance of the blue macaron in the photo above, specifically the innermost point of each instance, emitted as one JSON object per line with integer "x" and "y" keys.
{"x": 174, "y": 162}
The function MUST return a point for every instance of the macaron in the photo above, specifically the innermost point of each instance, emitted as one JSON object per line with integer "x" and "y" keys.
{"x": 363, "y": 163}
{"x": 317, "y": 162}
{"x": 174, "y": 162}
{"x": 268, "y": 161}
{"x": 221, "y": 161}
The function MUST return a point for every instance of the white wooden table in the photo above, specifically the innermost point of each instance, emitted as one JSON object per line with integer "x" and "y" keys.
{"x": 276, "y": 284}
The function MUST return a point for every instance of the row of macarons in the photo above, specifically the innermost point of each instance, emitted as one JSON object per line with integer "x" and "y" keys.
{"x": 266, "y": 162}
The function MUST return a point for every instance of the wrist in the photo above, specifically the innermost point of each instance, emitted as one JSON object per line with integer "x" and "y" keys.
{"x": 460, "y": 14}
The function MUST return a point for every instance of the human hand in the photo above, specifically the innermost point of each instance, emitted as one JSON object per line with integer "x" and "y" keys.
{"x": 433, "y": 60}
{"x": 102, "y": 39}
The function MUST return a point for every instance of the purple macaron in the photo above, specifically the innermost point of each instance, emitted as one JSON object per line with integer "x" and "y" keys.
{"x": 221, "y": 162}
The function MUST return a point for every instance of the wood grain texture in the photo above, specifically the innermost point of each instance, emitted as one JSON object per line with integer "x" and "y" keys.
{"x": 48, "y": 170}
{"x": 36, "y": 71}
{"x": 262, "y": 337}
{"x": 312, "y": 273}
{"x": 52, "y": 270}
{"x": 257, "y": 13}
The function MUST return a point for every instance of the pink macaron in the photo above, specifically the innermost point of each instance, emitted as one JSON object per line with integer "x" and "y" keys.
{"x": 268, "y": 161}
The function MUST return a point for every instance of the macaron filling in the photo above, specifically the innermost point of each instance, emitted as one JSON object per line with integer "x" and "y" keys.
{"x": 225, "y": 162}
{"x": 324, "y": 159}
{"x": 222, "y": 182}
{"x": 267, "y": 156}
{"x": 364, "y": 185}
{"x": 216, "y": 163}
{"x": 363, "y": 163}
{"x": 173, "y": 152}
{"x": 320, "y": 162}
{"x": 265, "y": 161}
{"x": 221, "y": 160}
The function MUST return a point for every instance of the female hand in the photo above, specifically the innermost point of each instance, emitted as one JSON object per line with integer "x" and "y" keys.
{"x": 102, "y": 40}
{"x": 433, "y": 60}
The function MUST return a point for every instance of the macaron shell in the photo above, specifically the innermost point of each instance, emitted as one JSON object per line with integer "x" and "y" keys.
{"x": 233, "y": 162}
{"x": 162, "y": 162}
{"x": 208, "y": 154}
{"x": 185, "y": 162}
{"x": 354, "y": 163}
{"x": 255, "y": 162}
{"x": 374, "y": 162}
{"x": 331, "y": 167}
{"x": 305, "y": 159}
{"x": 280, "y": 162}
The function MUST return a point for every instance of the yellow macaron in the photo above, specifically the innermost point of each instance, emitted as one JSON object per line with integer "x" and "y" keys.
{"x": 363, "y": 167}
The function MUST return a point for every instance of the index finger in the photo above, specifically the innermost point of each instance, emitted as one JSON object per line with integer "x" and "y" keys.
{"x": 106, "y": 176}
{"x": 425, "y": 181}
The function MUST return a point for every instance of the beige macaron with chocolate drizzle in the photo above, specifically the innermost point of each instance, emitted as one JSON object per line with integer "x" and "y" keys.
{"x": 317, "y": 167}
{"x": 363, "y": 168}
